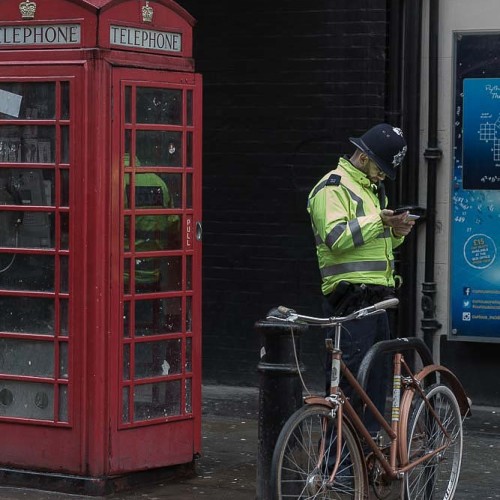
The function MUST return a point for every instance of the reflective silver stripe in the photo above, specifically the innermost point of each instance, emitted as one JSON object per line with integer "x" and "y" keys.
{"x": 319, "y": 187}
{"x": 386, "y": 233}
{"x": 360, "y": 210}
{"x": 334, "y": 234}
{"x": 357, "y": 237}
{"x": 354, "y": 267}
{"x": 145, "y": 235}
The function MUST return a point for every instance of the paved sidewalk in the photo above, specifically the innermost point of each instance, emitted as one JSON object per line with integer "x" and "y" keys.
{"x": 227, "y": 469}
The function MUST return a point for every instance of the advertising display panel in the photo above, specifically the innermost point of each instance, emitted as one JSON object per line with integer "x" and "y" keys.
{"x": 475, "y": 235}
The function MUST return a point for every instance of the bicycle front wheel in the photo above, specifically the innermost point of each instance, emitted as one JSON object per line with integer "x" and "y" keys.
{"x": 305, "y": 455}
{"x": 437, "y": 477}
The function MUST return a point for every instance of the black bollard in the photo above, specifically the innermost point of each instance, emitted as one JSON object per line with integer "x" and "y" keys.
{"x": 280, "y": 392}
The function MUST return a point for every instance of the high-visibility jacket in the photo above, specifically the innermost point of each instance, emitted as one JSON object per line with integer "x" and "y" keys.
{"x": 151, "y": 231}
{"x": 352, "y": 243}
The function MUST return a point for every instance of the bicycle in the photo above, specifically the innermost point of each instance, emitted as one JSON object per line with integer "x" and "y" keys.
{"x": 320, "y": 454}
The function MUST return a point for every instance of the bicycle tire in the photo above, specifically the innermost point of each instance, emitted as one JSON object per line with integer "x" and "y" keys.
{"x": 436, "y": 478}
{"x": 295, "y": 473}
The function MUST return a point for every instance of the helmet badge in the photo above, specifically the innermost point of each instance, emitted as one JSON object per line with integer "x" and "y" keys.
{"x": 399, "y": 157}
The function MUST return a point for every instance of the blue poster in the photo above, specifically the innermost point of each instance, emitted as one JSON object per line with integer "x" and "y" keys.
{"x": 481, "y": 133}
{"x": 475, "y": 228}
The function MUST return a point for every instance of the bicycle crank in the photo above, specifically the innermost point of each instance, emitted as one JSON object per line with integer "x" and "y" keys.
{"x": 381, "y": 484}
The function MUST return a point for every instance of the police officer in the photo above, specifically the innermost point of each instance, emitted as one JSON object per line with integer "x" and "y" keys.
{"x": 152, "y": 232}
{"x": 355, "y": 236}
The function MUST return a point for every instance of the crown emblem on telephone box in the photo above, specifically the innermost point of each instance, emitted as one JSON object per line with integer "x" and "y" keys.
{"x": 147, "y": 13}
{"x": 27, "y": 9}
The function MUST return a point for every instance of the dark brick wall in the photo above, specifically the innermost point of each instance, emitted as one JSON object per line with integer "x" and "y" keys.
{"x": 285, "y": 83}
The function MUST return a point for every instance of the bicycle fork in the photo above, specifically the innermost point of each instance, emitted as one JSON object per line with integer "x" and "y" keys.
{"x": 337, "y": 401}
{"x": 326, "y": 432}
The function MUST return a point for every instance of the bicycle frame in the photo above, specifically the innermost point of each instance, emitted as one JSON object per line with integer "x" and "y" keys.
{"x": 401, "y": 456}
{"x": 340, "y": 404}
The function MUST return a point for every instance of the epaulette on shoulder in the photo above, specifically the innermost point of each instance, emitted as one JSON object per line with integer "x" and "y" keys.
{"x": 333, "y": 180}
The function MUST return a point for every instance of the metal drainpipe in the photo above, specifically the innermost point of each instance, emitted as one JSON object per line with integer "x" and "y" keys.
{"x": 433, "y": 154}
{"x": 411, "y": 172}
{"x": 393, "y": 105}
{"x": 405, "y": 26}
{"x": 393, "y": 114}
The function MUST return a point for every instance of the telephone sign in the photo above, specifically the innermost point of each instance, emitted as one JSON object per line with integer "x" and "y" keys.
{"x": 55, "y": 34}
{"x": 145, "y": 38}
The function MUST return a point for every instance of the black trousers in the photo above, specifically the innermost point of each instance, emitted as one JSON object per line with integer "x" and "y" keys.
{"x": 356, "y": 338}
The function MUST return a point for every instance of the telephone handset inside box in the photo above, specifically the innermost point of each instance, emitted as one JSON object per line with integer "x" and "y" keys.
{"x": 24, "y": 228}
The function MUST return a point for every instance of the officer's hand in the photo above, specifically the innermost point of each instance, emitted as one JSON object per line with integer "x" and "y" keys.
{"x": 400, "y": 224}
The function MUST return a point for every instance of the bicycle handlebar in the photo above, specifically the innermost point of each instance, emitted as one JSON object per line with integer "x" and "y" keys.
{"x": 291, "y": 316}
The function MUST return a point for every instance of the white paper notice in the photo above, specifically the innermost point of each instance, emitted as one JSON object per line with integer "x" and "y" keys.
{"x": 10, "y": 103}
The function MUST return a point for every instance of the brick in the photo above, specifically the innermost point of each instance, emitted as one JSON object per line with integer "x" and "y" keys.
{"x": 285, "y": 83}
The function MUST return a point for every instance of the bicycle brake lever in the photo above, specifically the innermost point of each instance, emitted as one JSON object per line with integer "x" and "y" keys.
{"x": 377, "y": 308}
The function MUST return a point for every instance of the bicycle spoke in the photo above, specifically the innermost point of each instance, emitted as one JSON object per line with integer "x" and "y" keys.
{"x": 305, "y": 456}
{"x": 437, "y": 476}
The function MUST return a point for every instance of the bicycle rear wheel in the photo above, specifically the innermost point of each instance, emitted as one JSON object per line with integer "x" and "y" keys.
{"x": 437, "y": 477}
{"x": 299, "y": 472}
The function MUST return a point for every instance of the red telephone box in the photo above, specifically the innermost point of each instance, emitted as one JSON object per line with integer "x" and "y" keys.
{"x": 100, "y": 238}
